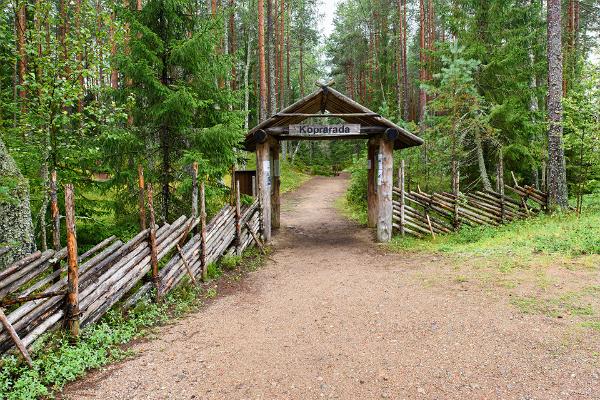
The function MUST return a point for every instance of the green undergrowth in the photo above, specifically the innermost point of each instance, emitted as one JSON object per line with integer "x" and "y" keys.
{"x": 292, "y": 176}
{"x": 351, "y": 211}
{"x": 57, "y": 361}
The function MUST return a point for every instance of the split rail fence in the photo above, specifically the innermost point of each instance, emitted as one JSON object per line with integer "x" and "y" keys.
{"x": 60, "y": 287}
{"x": 421, "y": 214}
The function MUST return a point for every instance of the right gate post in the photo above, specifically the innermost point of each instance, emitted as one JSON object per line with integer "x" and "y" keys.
{"x": 384, "y": 192}
{"x": 371, "y": 183}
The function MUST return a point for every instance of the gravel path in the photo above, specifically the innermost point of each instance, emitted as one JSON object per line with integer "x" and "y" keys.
{"x": 334, "y": 316}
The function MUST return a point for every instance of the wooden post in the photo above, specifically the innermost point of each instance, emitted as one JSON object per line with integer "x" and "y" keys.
{"x": 72, "y": 306}
{"x": 152, "y": 242}
{"x": 203, "y": 265}
{"x": 371, "y": 184}
{"x": 384, "y": 195}
{"x": 15, "y": 338}
{"x": 263, "y": 172}
{"x": 238, "y": 220}
{"x": 142, "y": 197}
{"x": 402, "y": 198}
{"x": 195, "y": 190}
{"x": 275, "y": 196}
{"x": 54, "y": 212}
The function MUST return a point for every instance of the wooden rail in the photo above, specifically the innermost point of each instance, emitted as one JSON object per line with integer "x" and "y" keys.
{"x": 428, "y": 214}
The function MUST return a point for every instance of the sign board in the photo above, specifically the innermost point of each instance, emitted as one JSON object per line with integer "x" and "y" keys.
{"x": 325, "y": 130}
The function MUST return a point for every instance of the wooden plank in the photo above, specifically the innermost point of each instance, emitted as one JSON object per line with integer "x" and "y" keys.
{"x": 17, "y": 265}
{"x": 23, "y": 299}
{"x": 72, "y": 303}
{"x": 327, "y": 115}
{"x": 238, "y": 220}
{"x": 402, "y": 196}
{"x": 275, "y": 193}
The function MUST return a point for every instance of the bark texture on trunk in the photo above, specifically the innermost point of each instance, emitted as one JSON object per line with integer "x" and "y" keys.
{"x": 557, "y": 177}
{"x": 261, "y": 60}
{"x": 16, "y": 225}
{"x": 485, "y": 180}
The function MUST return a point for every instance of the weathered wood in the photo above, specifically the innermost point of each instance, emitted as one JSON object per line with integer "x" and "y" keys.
{"x": 402, "y": 195}
{"x": 263, "y": 174}
{"x": 203, "y": 264}
{"x": 152, "y": 242}
{"x": 54, "y": 211}
{"x": 4, "y": 250}
{"x": 238, "y": 219}
{"x": 23, "y": 299}
{"x": 13, "y": 334}
{"x": 17, "y": 265}
{"x": 327, "y": 115}
{"x": 371, "y": 183}
{"x": 72, "y": 303}
{"x": 26, "y": 274}
{"x": 96, "y": 248}
{"x": 384, "y": 197}
{"x": 187, "y": 266}
{"x": 256, "y": 239}
{"x": 141, "y": 197}
{"x": 275, "y": 193}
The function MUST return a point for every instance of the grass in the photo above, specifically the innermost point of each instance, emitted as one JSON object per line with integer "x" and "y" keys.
{"x": 351, "y": 211}
{"x": 560, "y": 234}
{"x": 291, "y": 176}
{"x": 57, "y": 361}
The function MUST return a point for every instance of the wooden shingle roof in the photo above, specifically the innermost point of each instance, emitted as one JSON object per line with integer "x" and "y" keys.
{"x": 329, "y": 101}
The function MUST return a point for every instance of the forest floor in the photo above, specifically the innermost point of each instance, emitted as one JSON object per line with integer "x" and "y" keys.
{"x": 333, "y": 315}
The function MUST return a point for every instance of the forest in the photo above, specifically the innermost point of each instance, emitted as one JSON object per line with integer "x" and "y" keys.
{"x": 94, "y": 90}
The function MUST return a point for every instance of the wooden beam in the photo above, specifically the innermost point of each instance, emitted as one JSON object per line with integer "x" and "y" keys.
{"x": 323, "y": 137}
{"x": 263, "y": 175}
{"x": 364, "y": 130}
{"x": 384, "y": 196}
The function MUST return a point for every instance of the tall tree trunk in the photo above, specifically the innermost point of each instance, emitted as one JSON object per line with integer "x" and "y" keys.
{"x": 79, "y": 57}
{"x": 485, "y": 180}
{"x": 405, "y": 89}
{"x": 246, "y": 84}
{"x": 261, "y": 60}
{"x": 114, "y": 72}
{"x": 301, "y": 75}
{"x": 232, "y": 44}
{"x": 21, "y": 30}
{"x": 557, "y": 180}
{"x": 422, "y": 59}
{"x": 16, "y": 226}
{"x": 272, "y": 106}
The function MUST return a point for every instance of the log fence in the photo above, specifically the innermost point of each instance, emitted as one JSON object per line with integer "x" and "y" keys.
{"x": 421, "y": 214}
{"x": 46, "y": 290}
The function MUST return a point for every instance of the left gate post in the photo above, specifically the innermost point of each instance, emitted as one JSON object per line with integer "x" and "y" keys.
{"x": 384, "y": 190}
{"x": 263, "y": 172}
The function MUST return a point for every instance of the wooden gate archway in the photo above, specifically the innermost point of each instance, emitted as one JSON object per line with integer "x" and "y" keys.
{"x": 360, "y": 123}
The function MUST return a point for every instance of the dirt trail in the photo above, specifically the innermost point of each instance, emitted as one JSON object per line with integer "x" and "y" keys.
{"x": 334, "y": 316}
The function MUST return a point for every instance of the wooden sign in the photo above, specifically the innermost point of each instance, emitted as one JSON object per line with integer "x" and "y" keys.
{"x": 325, "y": 130}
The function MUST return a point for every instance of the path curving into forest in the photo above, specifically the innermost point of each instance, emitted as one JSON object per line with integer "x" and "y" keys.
{"x": 335, "y": 316}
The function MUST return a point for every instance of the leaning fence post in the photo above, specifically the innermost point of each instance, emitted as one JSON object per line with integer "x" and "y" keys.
{"x": 72, "y": 310}
{"x": 402, "y": 199}
{"x": 203, "y": 265}
{"x": 142, "y": 198}
{"x": 152, "y": 242}
{"x": 238, "y": 220}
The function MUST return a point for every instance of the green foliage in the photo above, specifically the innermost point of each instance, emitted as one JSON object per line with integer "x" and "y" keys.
{"x": 57, "y": 361}
{"x": 230, "y": 262}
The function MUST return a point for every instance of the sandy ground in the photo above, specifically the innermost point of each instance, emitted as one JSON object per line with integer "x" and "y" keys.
{"x": 334, "y": 316}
